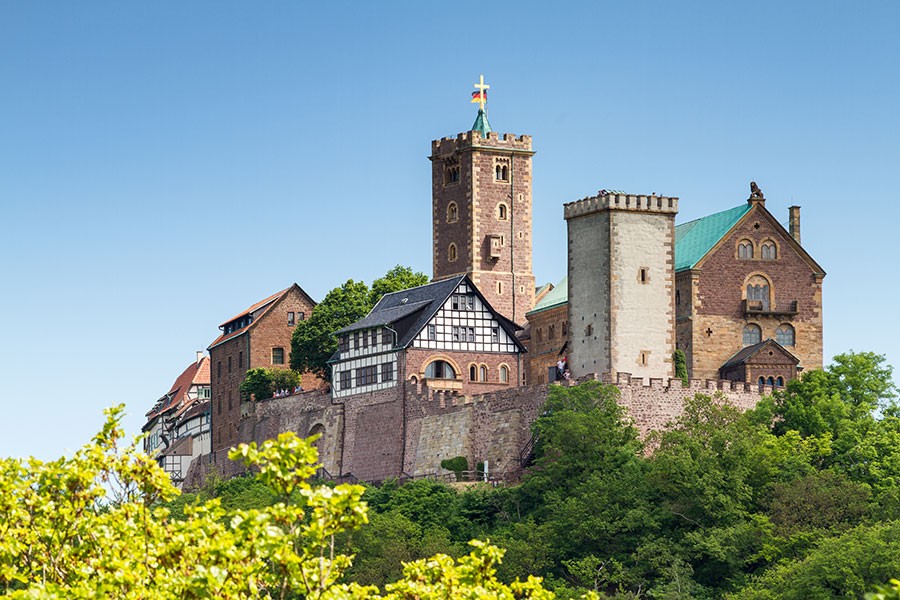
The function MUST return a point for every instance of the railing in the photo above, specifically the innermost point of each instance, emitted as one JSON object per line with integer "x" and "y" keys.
{"x": 757, "y": 307}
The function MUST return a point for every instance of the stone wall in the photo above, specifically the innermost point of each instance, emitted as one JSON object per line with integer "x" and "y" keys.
{"x": 387, "y": 434}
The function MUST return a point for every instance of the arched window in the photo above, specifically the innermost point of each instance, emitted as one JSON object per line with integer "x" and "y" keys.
{"x": 784, "y": 335}
{"x": 745, "y": 249}
{"x": 502, "y": 172}
{"x": 452, "y": 212}
{"x": 501, "y": 212}
{"x": 319, "y": 430}
{"x": 440, "y": 369}
{"x": 451, "y": 253}
{"x": 770, "y": 381}
{"x": 752, "y": 334}
{"x": 768, "y": 250}
{"x": 472, "y": 369}
{"x": 780, "y": 382}
{"x": 504, "y": 374}
{"x": 762, "y": 381}
{"x": 677, "y": 297}
{"x": 482, "y": 373}
{"x": 758, "y": 293}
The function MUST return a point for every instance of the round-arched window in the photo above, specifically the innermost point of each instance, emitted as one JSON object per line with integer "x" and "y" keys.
{"x": 452, "y": 212}
{"x": 482, "y": 373}
{"x": 752, "y": 334}
{"x": 504, "y": 374}
{"x": 768, "y": 250}
{"x": 451, "y": 252}
{"x": 502, "y": 212}
{"x": 784, "y": 335}
{"x": 440, "y": 369}
{"x": 745, "y": 249}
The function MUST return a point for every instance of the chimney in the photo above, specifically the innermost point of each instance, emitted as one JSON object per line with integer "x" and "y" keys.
{"x": 200, "y": 352}
{"x": 794, "y": 222}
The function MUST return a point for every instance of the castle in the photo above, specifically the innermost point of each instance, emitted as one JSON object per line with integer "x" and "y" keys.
{"x": 461, "y": 366}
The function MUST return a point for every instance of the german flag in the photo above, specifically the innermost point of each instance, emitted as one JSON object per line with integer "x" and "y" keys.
{"x": 476, "y": 96}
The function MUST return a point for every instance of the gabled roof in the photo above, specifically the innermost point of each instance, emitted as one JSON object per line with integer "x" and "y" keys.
{"x": 558, "y": 296}
{"x": 408, "y": 311}
{"x": 694, "y": 239}
{"x": 197, "y": 373}
{"x": 261, "y": 307}
{"x": 745, "y": 354}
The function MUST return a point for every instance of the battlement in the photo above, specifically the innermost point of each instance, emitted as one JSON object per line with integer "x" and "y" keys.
{"x": 507, "y": 142}
{"x": 615, "y": 201}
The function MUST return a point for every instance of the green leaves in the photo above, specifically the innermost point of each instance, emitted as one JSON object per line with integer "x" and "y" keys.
{"x": 90, "y": 527}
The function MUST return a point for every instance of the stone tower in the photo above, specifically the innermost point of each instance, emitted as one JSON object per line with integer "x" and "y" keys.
{"x": 481, "y": 209}
{"x": 621, "y": 284}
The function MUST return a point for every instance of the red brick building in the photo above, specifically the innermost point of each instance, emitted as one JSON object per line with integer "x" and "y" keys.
{"x": 742, "y": 278}
{"x": 258, "y": 337}
{"x": 481, "y": 211}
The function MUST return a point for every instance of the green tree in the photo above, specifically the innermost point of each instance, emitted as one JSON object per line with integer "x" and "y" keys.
{"x": 313, "y": 341}
{"x": 397, "y": 279}
{"x": 91, "y": 526}
{"x": 261, "y": 383}
{"x": 680, "y": 363}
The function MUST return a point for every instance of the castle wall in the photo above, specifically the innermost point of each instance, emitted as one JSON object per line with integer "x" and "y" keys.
{"x": 385, "y": 434}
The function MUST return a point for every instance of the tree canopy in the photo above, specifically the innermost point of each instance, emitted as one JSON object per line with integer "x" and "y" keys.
{"x": 313, "y": 341}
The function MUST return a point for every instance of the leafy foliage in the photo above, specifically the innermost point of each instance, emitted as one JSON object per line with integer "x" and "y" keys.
{"x": 313, "y": 341}
{"x": 262, "y": 383}
{"x": 63, "y": 537}
{"x": 680, "y": 363}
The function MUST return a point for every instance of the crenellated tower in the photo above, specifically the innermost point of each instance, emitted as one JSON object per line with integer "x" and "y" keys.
{"x": 481, "y": 210}
{"x": 621, "y": 281}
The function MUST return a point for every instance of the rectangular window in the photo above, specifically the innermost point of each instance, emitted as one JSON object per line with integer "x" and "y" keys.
{"x": 277, "y": 356}
{"x": 432, "y": 332}
{"x": 470, "y": 302}
{"x": 470, "y": 334}
{"x": 454, "y": 302}
{"x": 230, "y": 406}
{"x": 356, "y": 340}
{"x": 365, "y": 338}
{"x": 367, "y": 375}
{"x": 456, "y": 332}
{"x": 387, "y": 371}
{"x": 345, "y": 380}
{"x": 290, "y": 318}
{"x": 301, "y": 316}
{"x": 495, "y": 335}
{"x": 219, "y": 368}
{"x": 387, "y": 337}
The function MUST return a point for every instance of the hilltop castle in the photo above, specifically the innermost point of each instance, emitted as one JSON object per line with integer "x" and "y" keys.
{"x": 460, "y": 367}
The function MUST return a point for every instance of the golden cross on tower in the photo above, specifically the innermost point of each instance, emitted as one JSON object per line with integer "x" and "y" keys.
{"x": 482, "y": 91}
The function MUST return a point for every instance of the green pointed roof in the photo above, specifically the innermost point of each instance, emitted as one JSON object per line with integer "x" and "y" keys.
{"x": 555, "y": 297}
{"x": 695, "y": 238}
{"x": 481, "y": 124}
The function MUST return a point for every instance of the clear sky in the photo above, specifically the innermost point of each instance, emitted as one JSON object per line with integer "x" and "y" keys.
{"x": 163, "y": 165}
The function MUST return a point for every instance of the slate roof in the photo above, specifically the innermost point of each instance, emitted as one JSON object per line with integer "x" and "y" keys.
{"x": 745, "y": 354}
{"x": 408, "y": 311}
{"x": 555, "y": 297}
{"x": 695, "y": 238}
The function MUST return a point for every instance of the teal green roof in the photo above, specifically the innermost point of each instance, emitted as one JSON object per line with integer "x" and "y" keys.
{"x": 695, "y": 238}
{"x": 482, "y": 125}
{"x": 555, "y": 297}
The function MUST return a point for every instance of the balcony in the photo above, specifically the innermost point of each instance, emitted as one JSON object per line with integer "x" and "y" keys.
{"x": 756, "y": 308}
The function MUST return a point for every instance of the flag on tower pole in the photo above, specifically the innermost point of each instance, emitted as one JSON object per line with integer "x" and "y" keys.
{"x": 476, "y": 96}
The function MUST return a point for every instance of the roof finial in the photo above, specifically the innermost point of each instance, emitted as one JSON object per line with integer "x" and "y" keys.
{"x": 481, "y": 124}
{"x": 481, "y": 95}
{"x": 755, "y": 192}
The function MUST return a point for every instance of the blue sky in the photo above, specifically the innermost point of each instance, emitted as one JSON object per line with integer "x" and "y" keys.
{"x": 164, "y": 165}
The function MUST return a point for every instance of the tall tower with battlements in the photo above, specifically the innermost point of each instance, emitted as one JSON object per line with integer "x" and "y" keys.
{"x": 481, "y": 210}
{"x": 621, "y": 281}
